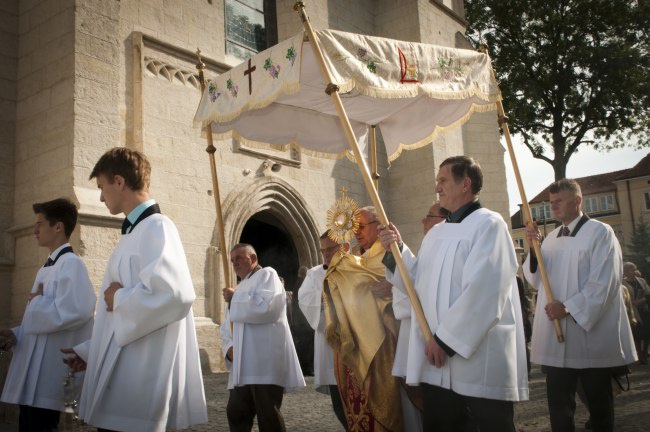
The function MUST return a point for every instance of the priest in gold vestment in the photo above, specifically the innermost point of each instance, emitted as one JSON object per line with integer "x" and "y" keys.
{"x": 362, "y": 330}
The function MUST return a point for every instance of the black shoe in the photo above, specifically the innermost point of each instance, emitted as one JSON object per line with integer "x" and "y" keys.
{"x": 588, "y": 424}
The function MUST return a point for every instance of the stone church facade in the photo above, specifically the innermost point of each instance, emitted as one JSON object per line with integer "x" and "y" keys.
{"x": 82, "y": 76}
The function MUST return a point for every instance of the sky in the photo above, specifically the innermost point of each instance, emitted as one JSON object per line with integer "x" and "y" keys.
{"x": 537, "y": 174}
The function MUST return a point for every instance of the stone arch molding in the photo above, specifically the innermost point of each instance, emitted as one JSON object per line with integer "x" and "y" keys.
{"x": 280, "y": 199}
{"x": 265, "y": 194}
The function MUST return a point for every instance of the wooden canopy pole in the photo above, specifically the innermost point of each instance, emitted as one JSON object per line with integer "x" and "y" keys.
{"x": 211, "y": 149}
{"x": 332, "y": 91}
{"x": 503, "y": 123}
{"x": 373, "y": 156}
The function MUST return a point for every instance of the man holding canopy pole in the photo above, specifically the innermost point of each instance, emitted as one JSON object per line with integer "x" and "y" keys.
{"x": 585, "y": 268}
{"x": 465, "y": 279}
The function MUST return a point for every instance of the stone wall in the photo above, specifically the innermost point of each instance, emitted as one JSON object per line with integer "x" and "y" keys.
{"x": 8, "y": 92}
{"x": 42, "y": 150}
{"x": 90, "y": 75}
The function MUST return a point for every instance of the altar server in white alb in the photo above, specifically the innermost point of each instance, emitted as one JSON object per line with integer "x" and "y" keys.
{"x": 143, "y": 369}
{"x": 257, "y": 344}
{"x": 59, "y": 313}
{"x": 310, "y": 300}
{"x": 465, "y": 279}
{"x": 585, "y": 269}
{"x": 401, "y": 303}
{"x": 402, "y": 309}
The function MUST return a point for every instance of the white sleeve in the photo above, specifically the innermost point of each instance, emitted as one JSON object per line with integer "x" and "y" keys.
{"x": 263, "y": 303}
{"x": 487, "y": 286}
{"x": 83, "y": 350}
{"x": 310, "y": 298}
{"x": 67, "y": 301}
{"x": 603, "y": 283}
{"x": 401, "y": 300}
{"x": 226, "y": 338}
{"x": 164, "y": 293}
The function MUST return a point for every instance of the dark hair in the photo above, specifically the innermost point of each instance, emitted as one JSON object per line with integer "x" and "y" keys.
{"x": 464, "y": 166}
{"x": 132, "y": 165}
{"x": 325, "y": 235}
{"x": 58, "y": 210}
{"x": 565, "y": 185}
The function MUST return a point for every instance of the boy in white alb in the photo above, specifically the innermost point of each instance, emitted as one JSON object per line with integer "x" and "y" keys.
{"x": 143, "y": 370}
{"x": 59, "y": 313}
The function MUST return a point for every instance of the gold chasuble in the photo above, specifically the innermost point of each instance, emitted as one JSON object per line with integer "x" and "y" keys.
{"x": 362, "y": 330}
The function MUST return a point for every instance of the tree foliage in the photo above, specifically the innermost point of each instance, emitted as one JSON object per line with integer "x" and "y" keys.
{"x": 572, "y": 72}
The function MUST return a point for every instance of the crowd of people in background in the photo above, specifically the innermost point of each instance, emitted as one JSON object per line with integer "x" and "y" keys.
{"x": 451, "y": 353}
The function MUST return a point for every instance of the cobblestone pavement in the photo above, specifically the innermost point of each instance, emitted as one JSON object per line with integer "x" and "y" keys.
{"x": 307, "y": 410}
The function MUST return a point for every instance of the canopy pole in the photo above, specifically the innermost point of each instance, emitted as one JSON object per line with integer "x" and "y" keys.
{"x": 503, "y": 123}
{"x": 373, "y": 156}
{"x": 211, "y": 149}
{"x": 332, "y": 90}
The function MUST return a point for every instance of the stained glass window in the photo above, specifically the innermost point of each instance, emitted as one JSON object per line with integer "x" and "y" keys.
{"x": 250, "y": 27}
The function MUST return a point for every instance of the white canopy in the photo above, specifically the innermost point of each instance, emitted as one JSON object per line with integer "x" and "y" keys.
{"x": 411, "y": 91}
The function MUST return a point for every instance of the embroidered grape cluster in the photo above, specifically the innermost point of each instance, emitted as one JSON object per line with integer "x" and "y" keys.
{"x": 212, "y": 91}
{"x": 273, "y": 69}
{"x": 233, "y": 88}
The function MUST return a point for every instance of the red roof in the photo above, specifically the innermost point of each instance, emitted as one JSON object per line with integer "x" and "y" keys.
{"x": 590, "y": 185}
{"x": 641, "y": 169}
{"x": 594, "y": 184}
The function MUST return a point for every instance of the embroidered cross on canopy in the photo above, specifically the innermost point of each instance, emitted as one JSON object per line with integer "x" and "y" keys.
{"x": 411, "y": 91}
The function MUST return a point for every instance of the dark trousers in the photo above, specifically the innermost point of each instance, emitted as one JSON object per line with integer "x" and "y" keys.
{"x": 33, "y": 419}
{"x": 561, "y": 386}
{"x": 261, "y": 400}
{"x": 447, "y": 411}
{"x": 337, "y": 405}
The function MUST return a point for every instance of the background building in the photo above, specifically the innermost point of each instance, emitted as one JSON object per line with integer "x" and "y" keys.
{"x": 620, "y": 199}
{"x": 82, "y": 76}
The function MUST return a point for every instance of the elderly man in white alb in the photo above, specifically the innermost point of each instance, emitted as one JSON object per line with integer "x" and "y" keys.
{"x": 310, "y": 300}
{"x": 257, "y": 344}
{"x": 465, "y": 279}
{"x": 584, "y": 264}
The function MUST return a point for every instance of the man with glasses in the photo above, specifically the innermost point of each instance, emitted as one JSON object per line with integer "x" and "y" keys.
{"x": 362, "y": 330}
{"x": 434, "y": 216}
{"x": 310, "y": 300}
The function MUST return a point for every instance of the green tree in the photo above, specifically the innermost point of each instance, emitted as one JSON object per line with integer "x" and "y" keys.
{"x": 640, "y": 248}
{"x": 572, "y": 72}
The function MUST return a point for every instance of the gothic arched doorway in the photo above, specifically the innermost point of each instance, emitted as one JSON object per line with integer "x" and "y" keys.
{"x": 273, "y": 216}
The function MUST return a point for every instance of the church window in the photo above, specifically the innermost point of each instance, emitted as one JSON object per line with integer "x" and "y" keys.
{"x": 251, "y": 27}
{"x": 646, "y": 195}
{"x": 602, "y": 203}
{"x": 606, "y": 202}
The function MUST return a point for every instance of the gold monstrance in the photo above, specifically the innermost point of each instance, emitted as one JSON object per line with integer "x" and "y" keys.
{"x": 343, "y": 218}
